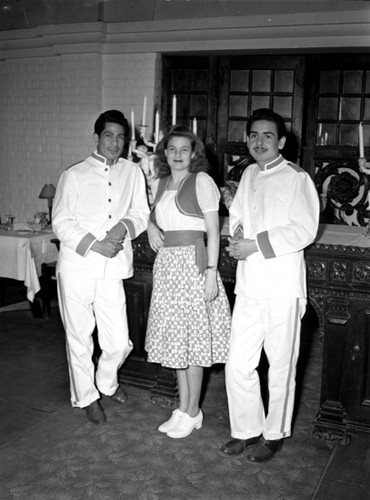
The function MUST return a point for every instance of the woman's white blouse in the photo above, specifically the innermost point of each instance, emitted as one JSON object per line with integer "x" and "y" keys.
{"x": 169, "y": 218}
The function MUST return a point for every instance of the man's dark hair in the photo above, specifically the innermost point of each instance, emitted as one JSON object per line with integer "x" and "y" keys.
{"x": 111, "y": 116}
{"x": 270, "y": 116}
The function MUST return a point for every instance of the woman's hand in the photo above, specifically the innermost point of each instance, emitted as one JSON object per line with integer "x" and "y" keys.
{"x": 213, "y": 245}
{"x": 210, "y": 286}
{"x": 155, "y": 236}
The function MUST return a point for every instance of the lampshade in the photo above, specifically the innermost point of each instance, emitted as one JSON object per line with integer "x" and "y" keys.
{"x": 48, "y": 191}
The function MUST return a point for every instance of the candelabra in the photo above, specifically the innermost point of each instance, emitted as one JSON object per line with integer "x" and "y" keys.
{"x": 142, "y": 150}
{"x": 364, "y": 166}
{"x": 146, "y": 156}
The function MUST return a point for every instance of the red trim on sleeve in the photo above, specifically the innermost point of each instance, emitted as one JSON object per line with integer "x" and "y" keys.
{"x": 130, "y": 227}
{"x": 85, "y": 244}
{"x": 265, "y": 246}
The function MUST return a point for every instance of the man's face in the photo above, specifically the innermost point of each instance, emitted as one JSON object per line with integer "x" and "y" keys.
{"x": 263, "y": 141}
{"x": 111, "y": 141}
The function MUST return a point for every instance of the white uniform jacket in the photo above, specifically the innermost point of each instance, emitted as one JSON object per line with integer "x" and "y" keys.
{"x": 90, "y": 199}
{"x": 279, "y": 208}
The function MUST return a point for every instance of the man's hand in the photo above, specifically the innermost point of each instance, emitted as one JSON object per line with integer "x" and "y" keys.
{"x": 155, "y": 236}
{"x": 241, "y": 249}
{"x": 117, "y": 233}
{"x": 107, "y": 247}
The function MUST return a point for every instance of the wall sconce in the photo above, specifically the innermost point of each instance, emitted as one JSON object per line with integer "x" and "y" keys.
{"x": 48, "y": 193}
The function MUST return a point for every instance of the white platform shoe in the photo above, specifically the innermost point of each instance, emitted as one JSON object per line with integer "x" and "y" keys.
{"x": 186, "y": 425}
{"x": 171, "y": 422}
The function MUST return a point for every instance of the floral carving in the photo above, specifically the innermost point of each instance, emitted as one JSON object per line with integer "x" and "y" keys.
{"x": 316, "y": 269}
{"x": 343, "y": 188}
{"x": 343, "y": 192}
{"x": 362, "y": 272}
{"x": 339, "y": 271}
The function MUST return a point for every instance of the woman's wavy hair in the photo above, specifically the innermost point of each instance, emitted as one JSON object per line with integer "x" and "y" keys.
{"x": 199, "y": 162}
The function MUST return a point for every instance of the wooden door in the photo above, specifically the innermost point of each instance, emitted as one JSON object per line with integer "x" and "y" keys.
{"x": 221, "y": 92}
{"x": 194, "y": 82}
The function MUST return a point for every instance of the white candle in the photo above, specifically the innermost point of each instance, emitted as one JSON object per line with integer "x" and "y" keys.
{"x": 132, "y": 126}
{"x": 361, "y": 140}
{"x": 320, "y": 131}
{"x": 174, "y": 105}
{"x": 195, "y": 128}
{"x": 143, "y": 120}
{"x": 156, "y": 128}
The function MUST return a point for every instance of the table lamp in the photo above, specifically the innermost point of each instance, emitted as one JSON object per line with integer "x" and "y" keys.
{"x": 48, "y": 192}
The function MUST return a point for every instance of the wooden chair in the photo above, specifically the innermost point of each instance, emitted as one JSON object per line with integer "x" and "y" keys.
{"x": 48, "y": 282}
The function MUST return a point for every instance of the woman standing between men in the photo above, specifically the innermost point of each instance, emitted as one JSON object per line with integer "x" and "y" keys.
{"x": 189, "y": 318}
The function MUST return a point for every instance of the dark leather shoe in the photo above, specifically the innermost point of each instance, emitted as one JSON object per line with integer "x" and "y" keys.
{"x": 120, "y": 396}
{"x": 95, "y": 413}
{"x": 265, "y": 450}
{"x": 237, "y": 446}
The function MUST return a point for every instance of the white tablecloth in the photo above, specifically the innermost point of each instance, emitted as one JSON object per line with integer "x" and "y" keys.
{"x": 21, "y": 256}
{"x": 335, "y": 234}
{"x": 328, "y": 234}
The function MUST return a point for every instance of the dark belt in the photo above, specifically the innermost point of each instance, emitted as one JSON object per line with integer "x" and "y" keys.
{"x": 184, "y": 238}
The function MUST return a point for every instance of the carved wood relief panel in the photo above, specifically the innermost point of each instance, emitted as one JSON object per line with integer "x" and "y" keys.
{"x": 343, "y": 191}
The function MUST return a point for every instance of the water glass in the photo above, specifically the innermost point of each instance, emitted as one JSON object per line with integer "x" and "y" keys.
{"x": 9, "y": 221}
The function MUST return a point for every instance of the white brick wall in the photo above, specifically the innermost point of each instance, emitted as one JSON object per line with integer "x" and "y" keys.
{"x": 80, "y": 104}
{"x": 127, "y": 79}
{"x": 48, "y": 109}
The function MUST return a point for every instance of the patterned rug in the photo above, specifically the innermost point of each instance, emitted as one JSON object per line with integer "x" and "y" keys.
{"x": 129, "y": 459}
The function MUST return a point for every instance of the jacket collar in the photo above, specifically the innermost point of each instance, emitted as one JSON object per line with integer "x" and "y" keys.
{"x": 273, "y": 163}
{"x": 103, "y": 160}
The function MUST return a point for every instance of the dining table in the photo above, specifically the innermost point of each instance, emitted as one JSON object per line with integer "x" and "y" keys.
{"x": 22, "y": 253}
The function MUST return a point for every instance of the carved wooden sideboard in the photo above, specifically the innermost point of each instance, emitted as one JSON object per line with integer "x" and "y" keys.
{"x": 338, "y": 270}
{"x": 338, "y": 266}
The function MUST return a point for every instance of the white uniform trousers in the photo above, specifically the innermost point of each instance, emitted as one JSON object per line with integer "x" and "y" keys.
{"x": 273, "y": 324}
{"x": 84, "y": 302}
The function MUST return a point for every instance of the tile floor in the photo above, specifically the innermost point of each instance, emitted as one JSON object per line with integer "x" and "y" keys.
{"x": 35, "y": 412}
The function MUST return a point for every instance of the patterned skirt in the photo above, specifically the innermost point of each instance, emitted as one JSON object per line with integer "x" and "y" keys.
{"x": 184, "y": 330}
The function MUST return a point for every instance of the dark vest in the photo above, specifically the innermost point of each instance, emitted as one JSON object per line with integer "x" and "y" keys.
{"x": 185, "y": 199}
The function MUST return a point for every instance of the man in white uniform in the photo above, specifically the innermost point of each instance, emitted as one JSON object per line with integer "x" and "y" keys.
{"x": 273, "y": 217}
{"x": 100, "y": 206}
